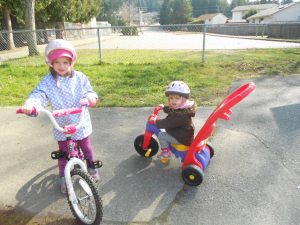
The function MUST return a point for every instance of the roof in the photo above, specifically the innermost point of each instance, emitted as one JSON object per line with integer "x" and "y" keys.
{"x": 237, "y": 21}
{"x": 208, "y": 16}
{"x": 271, "y": 11}
{"x": 256, "y": 7}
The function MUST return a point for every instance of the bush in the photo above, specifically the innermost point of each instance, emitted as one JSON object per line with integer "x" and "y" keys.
{"x": 130, "y": 31}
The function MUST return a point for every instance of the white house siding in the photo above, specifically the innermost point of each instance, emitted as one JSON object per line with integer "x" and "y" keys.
{"x": 240, "y": 11}
{"x": 290, "y": 14}
{"x": 219, "y": 19}
{"x": 237, "y": 15}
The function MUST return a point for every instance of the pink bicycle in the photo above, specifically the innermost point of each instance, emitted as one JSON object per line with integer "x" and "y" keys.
{"x": 83, "y": 197}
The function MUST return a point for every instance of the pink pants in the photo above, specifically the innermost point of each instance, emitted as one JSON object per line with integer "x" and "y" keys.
{"x": 86, "y": 147}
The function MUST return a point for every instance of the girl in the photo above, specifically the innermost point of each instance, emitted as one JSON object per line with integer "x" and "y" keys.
{"x": 178, "y": 127}
{"x": 65, "y": 88}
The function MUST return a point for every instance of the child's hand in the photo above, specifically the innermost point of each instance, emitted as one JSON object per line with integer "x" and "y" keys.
{"x": 29, "y": 109}
{"x": 93, "y": 101}
{"x": 90, "y": 102}
{"x": 160, "y": 106}
{"x": 152, "y": 118}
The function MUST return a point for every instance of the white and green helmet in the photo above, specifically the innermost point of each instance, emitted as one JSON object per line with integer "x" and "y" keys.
{"x": 179, "y": 88}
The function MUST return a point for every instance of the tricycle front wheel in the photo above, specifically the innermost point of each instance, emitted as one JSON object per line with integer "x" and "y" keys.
{"x": 192, "y": 175}
{"x": 152, "y": 148}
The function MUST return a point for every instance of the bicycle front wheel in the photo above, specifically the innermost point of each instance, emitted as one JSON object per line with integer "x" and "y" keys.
{"x": 87, "y": 208}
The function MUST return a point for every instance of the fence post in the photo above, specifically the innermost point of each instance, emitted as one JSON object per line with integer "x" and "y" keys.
{"x": 203, "y": 46}
{"x": 99, "y": 44}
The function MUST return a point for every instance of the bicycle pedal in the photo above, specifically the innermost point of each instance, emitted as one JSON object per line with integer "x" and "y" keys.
{"x": 97, "y": 164}
{"x": 57, "y": 154}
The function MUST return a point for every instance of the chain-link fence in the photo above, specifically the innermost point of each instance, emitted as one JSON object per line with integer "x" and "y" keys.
{"x": 131, "y": 41}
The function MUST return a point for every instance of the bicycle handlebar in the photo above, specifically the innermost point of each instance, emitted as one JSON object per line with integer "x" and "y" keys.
{"x": 57, "y": 113}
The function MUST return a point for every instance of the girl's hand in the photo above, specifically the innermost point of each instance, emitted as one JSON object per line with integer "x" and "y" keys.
{"x": 152, "y": 118}
{"x": 27, "y": 108}
{"x": 160, "y": 106}
{"x": 93, "y": 101}
{"x": 90, "y": 102}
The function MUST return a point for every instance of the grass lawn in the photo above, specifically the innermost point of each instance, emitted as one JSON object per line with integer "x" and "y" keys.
{"x": 138, "y": 78}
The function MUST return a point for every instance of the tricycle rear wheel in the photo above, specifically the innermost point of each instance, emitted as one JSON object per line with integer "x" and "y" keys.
{"x": 138, "y": 144}
{"x": 211, "y": 149}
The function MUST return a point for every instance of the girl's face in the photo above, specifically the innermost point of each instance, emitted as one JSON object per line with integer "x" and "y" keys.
{"x": 175, "y": 101}
{"x": 62, "y": 66}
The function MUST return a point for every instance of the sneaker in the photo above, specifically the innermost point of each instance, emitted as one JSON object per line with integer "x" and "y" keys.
{"x": 94, "y": 174}
{"x": 165, "y": 154}
{"x": 63, "y": 185}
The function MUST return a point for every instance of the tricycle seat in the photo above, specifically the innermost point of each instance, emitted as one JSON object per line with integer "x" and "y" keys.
{"x": 181, "y": 147}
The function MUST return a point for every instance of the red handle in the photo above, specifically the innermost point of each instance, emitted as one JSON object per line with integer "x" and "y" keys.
{"x": 22, "y": 111}
{"x": 156, "y": 110}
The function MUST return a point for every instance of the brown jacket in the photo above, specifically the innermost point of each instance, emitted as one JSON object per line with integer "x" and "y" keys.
{"x": 179, "y": 124}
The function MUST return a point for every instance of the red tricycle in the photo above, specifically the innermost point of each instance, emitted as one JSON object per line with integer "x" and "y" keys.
{"x": 196, "y": 157}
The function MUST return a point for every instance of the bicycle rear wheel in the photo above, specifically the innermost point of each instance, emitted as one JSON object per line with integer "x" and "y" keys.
{"x": 88, "y": 208}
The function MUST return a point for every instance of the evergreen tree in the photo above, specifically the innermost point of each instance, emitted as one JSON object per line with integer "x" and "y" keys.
{"x": 181, "y": 11}
{"x": 165, "y": 12}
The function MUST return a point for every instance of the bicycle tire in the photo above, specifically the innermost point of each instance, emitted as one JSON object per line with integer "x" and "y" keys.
{"x": 79, "y": 179}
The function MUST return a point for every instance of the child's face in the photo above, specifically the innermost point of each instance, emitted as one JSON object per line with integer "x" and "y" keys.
{"x": 175, "y": 101}
{"x": 62, "y": 66}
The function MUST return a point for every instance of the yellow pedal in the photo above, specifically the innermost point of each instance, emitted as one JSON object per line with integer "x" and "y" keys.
{"x": 148, "y": 152}
{"x": 165, "y": 160}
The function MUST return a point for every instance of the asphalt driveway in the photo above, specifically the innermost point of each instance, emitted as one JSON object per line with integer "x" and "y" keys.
{"x": 254, "y": 177}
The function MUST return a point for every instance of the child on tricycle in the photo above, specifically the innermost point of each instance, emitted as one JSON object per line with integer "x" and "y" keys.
{"x": 195, "y": 153}
{"x": 177, "y": 127}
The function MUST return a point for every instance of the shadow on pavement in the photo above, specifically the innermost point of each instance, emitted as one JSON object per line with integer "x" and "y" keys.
{"x": 287, "y": 118}
{"x": 139, "y": 188}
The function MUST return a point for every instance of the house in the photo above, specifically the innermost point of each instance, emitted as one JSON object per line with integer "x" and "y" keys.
{"x": 239, "y": 12}
{"x": 283, "y": 13}
{"x": 213, "y": 18}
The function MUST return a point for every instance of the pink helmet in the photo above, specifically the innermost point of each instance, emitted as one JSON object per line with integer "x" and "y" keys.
{"x": 60, "y": 48}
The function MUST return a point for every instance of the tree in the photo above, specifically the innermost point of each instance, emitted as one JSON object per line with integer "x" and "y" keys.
{"x": 111, "y": 8}
{"x": 6, "y": 8}
{"x": 109, "y": 12}
{"x": 175, "y": 12}
{"x": 235, "y": 3}
{"x": 127, "y": 10}
{"x": 181, "y": 11}
{"x": 286, "y": 2}
{"x": 56, "y": 12}
{"x": 224, "y": 8}
{"x": 30, "y": 25}
{"x": 251, "y": 12}
{"x": 165, "y": 13}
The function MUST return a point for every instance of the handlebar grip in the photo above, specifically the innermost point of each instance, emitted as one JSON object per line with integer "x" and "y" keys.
{"x": 22, "y": 111}
{"x": 156, "y": 110}
{"x": 19, "y": 111}
{"x": 87, "y": 102}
